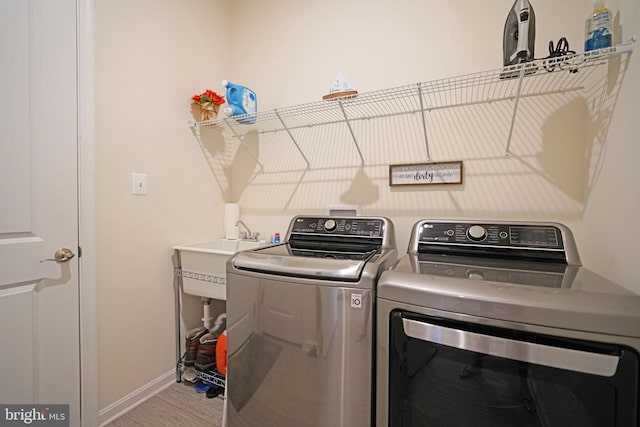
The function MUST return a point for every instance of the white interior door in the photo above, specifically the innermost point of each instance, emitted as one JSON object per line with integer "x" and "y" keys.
{"x": 39, "y": 301}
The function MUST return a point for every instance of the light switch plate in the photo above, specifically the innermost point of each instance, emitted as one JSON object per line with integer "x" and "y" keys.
{"x": 139, "y": 184}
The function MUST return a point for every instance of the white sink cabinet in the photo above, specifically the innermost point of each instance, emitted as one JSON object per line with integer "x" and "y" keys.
{"x": 200, "y": 270}
{"x": 202, "y": 265}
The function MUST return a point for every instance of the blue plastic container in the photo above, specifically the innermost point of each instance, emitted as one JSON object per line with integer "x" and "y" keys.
{"x": 598, "y": 30}
{"x": 240, "y": 100}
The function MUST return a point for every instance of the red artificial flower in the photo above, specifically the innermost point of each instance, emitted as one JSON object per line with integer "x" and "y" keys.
{"x": 208, "y": 96}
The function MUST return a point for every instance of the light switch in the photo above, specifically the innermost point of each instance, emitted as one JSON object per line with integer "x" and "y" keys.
{"x": 139, "y": 184}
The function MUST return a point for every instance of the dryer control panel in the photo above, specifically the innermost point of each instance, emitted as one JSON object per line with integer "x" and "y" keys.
{"x": 539, "y": 241}
{"x": 491, "y": 234}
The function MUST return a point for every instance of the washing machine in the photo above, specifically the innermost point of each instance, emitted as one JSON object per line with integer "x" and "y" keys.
{"x": 301, "y": 324}
{"x": 486, "y": 323}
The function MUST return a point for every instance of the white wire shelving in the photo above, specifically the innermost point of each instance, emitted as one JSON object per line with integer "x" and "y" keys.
{"x": 536, "y": 78}
{"x": 213, "y": 377}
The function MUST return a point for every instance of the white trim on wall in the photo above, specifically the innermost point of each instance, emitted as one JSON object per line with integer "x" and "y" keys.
{"x": 136, "y": 397}
{"x": 86, "y": 214}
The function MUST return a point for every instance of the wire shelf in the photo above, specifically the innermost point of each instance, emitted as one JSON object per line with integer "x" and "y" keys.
{"x": 212, "y": 377}
{"x": 536, "y": 78}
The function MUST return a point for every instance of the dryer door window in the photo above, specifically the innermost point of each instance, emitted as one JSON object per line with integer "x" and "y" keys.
{"x": 443, "y": 372}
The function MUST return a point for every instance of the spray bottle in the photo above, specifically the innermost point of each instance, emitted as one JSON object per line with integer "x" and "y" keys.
{"x": 240, "y": 100}
{"x": 598, "y": 27}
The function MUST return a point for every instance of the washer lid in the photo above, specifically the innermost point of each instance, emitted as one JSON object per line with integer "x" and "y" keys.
{"x": 282, "y": 260}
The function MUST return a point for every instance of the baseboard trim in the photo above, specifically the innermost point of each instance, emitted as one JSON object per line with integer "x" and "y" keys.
{"x": 136, "y": 397}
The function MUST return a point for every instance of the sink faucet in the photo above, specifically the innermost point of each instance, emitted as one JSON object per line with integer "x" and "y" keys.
{"x": 247, "y": 235}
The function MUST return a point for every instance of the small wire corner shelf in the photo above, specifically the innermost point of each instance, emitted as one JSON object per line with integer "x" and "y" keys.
{"x": 535, "y": 78}
{"x": 211, "y": 377}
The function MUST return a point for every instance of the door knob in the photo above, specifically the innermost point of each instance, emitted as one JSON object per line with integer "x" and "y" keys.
{"x": 61, "y": 255}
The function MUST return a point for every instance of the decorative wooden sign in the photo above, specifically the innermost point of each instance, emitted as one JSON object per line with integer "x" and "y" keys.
{"x": 435, "y": 173}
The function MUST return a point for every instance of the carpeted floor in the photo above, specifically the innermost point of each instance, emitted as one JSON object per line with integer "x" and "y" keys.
{"x": 178, "y": 405}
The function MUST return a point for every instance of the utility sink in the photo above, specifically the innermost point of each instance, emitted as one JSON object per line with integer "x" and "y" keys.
{"x": 204, "y": 265}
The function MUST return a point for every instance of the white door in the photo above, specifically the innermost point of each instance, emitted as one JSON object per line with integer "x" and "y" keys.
{"x": 39, "y": 300}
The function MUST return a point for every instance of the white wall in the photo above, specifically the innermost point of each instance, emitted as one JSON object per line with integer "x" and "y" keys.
{"x": 151, "y": 56}
{"x": 610, "y": 233}
{"x": 565, "y": 151}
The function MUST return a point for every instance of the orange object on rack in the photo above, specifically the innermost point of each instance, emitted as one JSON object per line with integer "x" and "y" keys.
{"x": 221, "y": 353}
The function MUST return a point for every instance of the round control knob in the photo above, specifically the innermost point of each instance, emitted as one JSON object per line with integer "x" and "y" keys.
{"x": 476, "y": 233}
{"x": 330, "y": 225}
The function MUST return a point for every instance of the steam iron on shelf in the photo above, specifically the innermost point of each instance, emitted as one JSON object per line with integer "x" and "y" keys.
{"x": 519, "y": 39}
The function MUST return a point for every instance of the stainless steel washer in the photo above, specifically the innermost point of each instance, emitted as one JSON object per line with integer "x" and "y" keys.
{"x": 301, "y": 324}
{"x": 498, "y": 324}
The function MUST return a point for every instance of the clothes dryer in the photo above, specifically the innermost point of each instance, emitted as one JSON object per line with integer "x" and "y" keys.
{"x": 498, "y": 324}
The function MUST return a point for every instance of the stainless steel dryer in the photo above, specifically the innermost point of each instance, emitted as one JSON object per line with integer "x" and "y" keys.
{"x": 497, "y": 324}
{"x": 301, "y": 324}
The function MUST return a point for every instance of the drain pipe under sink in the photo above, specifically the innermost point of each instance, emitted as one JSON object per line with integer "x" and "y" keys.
{"x": 207, "y": 317}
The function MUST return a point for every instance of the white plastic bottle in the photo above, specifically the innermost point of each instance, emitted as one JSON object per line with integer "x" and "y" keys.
{"x": 598, "y": 28}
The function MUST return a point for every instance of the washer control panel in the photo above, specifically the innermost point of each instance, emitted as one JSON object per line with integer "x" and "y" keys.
{"x": 339, "y": 226}
{"x": 491, "y": 234}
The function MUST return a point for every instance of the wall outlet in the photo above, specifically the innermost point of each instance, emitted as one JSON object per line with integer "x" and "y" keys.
{"x": 343, "y": 210}
{"x": 139, "y": 184}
